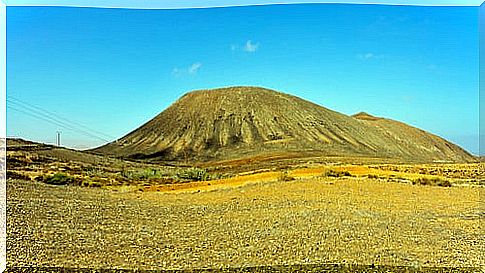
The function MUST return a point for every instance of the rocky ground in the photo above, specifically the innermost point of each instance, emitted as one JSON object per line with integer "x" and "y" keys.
{"x": 305, "y": 222}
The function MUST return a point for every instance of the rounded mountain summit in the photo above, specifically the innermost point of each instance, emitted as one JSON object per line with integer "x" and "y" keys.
{"x": 239, "y": 122}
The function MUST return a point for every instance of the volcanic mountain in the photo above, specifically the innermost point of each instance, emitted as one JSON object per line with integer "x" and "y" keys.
{"x": 237, "y": 122}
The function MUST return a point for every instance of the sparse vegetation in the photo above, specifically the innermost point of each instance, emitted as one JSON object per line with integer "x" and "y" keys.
{"x": 336, "y": 173}
{"x": 434, "y": 181}
{"x": 143, "y": 174}
{"x": 57, "y": 179}
{"x": 93, "y": 171}
{"x": 196, "y": 174}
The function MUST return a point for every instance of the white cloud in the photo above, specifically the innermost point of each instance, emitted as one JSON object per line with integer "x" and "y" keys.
{"x": 250, "y": 46}
{"x": 369, "y": 56}
{"x": 194, "y": 68}
{"x": 175, "y": 71}
{"x": 191, "y": 70}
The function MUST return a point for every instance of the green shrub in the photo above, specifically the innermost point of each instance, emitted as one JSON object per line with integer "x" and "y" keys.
{"x": 190, "y": 174}
{"x": 93, "y": 171}
{"x": 196, "y": 174}
{"x": 59, "y": 179}
{"x": 334, "y": 173}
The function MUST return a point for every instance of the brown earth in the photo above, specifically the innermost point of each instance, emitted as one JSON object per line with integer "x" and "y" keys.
{"x": 237, "y": 122}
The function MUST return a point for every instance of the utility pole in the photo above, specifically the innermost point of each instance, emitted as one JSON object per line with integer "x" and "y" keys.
{"x": 58, "y": 138}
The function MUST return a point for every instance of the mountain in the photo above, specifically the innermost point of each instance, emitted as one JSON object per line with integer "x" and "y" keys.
{"x": 236, "y": 122}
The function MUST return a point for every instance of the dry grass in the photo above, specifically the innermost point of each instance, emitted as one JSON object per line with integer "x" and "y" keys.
{"x": 314, "y": 220}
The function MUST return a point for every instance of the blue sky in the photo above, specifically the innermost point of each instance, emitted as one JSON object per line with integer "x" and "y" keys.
{"x": 113, "y": 69}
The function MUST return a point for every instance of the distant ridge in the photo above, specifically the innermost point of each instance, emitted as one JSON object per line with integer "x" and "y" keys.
{"x": 235, "y": 122}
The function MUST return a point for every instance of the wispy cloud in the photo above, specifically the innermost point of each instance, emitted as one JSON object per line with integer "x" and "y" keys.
{"x": 369, "y": 56}
{"x": 249, "y": 46}
{"x": 190, "y": 70}
{"x": 194, "y": 68}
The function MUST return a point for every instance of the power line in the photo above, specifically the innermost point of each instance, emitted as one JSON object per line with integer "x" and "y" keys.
{"x": 40, "y": 113}
{"x": 53, "y": 121}
{"x": 56, "y": 116}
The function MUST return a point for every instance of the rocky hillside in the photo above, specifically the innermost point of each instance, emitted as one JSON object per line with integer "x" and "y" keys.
{"x": 237, "y": 122}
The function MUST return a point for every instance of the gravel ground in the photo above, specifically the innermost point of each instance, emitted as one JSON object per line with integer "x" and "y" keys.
{"x": 285, "y": 224}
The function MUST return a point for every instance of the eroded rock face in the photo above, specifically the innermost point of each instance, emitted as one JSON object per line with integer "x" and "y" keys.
{"x": 235, "y": 122}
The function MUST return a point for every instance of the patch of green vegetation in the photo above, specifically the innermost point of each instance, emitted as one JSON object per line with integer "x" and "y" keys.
{"x": 58, "y": 179}
{"x": 434, "y": 181}
{"x": 198, "y": 174}
{"x": 93, "y": 171}
{"x": 195, "y": 174}
{"x": 335, "y": 173}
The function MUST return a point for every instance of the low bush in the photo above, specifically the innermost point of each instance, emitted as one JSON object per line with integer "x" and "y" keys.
{"x": 58, "y": 179}
{"x": 335, "y": 173}
{"x": 196, "y": 174}
{"x": 93, "y": 171}
{"x": 434, "y": 181}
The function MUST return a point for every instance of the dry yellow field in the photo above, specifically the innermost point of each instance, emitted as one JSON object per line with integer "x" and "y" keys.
{"x": 348, "y": 220}
{"x": 352, "y": 220}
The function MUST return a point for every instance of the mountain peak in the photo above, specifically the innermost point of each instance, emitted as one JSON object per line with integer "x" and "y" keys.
{"x": 245, "y": 121}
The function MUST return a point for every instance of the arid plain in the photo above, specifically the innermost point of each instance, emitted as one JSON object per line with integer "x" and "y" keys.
{"x": 302, "y": 212}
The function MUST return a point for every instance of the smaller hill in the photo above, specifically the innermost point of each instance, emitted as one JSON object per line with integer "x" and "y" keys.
{"x": 365, "y": 116}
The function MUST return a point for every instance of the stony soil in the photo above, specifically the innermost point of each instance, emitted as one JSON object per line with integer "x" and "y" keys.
{"x": 305, "y": 222}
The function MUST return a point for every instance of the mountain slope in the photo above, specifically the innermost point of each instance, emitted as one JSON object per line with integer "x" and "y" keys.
{"x": 245, "y": 121}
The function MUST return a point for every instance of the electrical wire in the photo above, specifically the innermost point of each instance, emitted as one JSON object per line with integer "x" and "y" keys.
{"x": 55, "y": 116}
{"x": 55, "y": 122}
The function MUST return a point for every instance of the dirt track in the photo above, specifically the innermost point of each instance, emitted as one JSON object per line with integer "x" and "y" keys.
{"x": 299, "y": 222}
